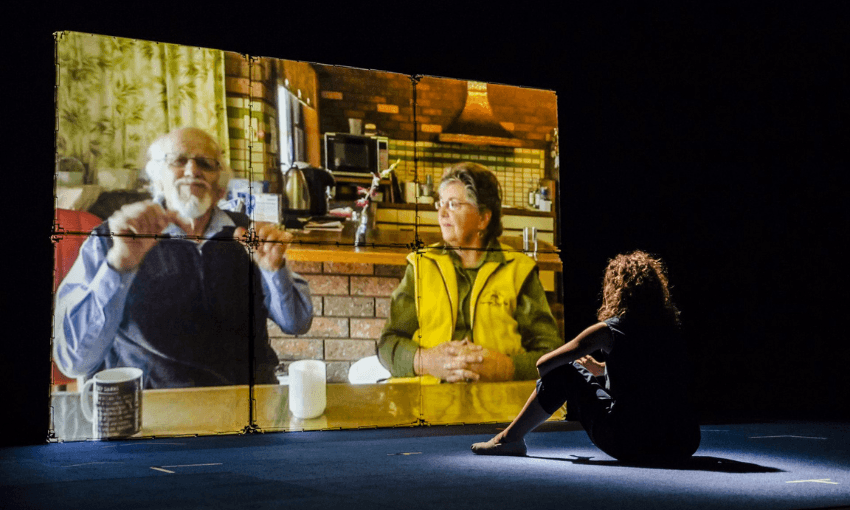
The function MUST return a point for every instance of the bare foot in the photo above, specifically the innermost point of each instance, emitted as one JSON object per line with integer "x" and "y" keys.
{"x": 496, "y": 446}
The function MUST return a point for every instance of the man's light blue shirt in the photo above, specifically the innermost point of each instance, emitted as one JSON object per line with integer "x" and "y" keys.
{"x": 91, "y": 299}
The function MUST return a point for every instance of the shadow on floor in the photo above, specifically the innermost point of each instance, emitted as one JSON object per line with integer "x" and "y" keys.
{"x": 696, "y": 463}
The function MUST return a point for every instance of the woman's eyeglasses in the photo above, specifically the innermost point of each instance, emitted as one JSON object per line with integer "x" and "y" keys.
{"x": 181, "y": 160}
{"x": 452, "y": 204}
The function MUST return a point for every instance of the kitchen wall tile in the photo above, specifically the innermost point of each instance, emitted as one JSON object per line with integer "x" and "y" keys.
{"x": 367, "y": 328}
{"x": 349, "y": 350}
{"x": 304, "y": 267}
{"x": 328, "y": 327}
{"x": 321, "y": 284}
{"x": 337, "y": 371}
{"x": 373, "y": 285}
{"x": 382, "y": 307}
{"x": 318, "y": 305}
{"x": 345, "y": 306}
{"x": 345, "y": 268}
{"x": 390, "y": 270}
{"x": 298, "y": 348}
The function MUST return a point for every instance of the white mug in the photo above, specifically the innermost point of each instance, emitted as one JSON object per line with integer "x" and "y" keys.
{"x": 307, "y": 391}
{"x": 115, "y": 405}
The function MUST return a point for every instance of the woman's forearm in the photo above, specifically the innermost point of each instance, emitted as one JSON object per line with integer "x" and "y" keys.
{"x": 396, "y": 354}
{"x": 596, "y": 337}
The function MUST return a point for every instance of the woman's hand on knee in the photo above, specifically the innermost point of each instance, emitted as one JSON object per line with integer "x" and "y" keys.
{"x": 589, "y": 362}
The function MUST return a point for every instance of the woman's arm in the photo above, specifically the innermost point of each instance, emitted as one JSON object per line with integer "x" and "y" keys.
{"x": 596, "y": 337}
{"x": 396, "y": 348}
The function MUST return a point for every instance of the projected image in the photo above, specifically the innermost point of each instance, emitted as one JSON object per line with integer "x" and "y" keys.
{"x": 275, "y": 245}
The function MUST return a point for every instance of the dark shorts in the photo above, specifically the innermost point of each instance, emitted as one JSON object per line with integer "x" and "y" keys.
{"x": 638, "y": 434}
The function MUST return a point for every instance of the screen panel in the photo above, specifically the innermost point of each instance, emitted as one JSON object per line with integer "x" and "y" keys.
{"x": 237, "y": 361}
{"x": 350, "y": 286}
{"x": 115, "y": 98}
{"x": 481, "y": 150}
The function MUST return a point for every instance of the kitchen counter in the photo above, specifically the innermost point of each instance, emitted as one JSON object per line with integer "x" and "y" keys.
{"x": 506, "y": 211}
{"x": 387, "y": 247}
{"x": 215, "y": 410}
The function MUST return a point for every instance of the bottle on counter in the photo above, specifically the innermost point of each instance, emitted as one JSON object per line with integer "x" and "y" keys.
{"x": 538, "y": 194}
{"x": 545, "y": 203}
{"x": 532, "y": 193}
{"x": 428, "y": 189}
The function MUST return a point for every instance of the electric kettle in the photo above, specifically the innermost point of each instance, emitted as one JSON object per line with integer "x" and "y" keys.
{"x": 319, "y": 181}
{"x": 296, "y": 191}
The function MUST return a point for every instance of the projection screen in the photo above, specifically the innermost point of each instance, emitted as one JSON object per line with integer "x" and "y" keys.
{"x": 257, "y": 244}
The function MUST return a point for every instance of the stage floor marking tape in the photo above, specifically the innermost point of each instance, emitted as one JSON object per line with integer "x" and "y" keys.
{"x": 798, "y": 437}
{"x": 193, "y": 465}
{"x": 822, "y": 480}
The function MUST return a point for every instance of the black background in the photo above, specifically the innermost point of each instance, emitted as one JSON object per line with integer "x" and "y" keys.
{"x": 712, "y": 135}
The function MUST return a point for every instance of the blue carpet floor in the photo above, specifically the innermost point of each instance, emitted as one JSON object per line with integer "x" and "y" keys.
{"x": 777, "y": 465}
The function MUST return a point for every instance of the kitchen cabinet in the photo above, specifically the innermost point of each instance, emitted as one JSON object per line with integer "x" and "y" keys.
{"x": 403, "y": 217}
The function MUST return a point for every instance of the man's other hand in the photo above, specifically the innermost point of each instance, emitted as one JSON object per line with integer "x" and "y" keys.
{"x": 273, "y": 242}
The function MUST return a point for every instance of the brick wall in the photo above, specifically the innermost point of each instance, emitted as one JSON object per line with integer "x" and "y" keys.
{"x": 529, "y": 114}
{"x": 377, "y": 97}
{"x": 386, "y": 100}
{"x": 251, "y": 88}
{"x": 251, "y": 116}
{"x": 351, "y": 304}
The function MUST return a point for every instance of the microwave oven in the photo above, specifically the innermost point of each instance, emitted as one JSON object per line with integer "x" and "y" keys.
{"x": 349, "y": 155}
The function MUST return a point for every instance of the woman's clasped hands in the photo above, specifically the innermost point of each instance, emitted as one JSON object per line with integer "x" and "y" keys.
{"x": 462, "y": 360}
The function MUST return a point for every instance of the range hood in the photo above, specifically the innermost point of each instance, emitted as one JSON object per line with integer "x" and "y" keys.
{"x": 476, "y": 124}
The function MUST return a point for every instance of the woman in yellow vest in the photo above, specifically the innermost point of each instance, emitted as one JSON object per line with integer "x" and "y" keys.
{"x": 468, "y": 308}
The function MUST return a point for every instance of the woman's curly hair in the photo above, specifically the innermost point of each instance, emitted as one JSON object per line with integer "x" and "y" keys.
{"x": 636, "y": 284}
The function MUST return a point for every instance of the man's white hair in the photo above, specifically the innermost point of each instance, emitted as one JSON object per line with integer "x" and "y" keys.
{"x": 156, "y": 165}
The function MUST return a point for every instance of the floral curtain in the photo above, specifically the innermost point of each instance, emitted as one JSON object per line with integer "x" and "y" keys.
{"x": 114, "y": 96}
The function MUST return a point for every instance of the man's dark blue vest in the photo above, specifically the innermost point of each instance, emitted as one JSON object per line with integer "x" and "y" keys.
{"x": 188, "y": 316}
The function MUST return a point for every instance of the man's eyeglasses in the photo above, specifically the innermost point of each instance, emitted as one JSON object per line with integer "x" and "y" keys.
{"x": 181, "y": 160}
{"x": 452, "y": 203}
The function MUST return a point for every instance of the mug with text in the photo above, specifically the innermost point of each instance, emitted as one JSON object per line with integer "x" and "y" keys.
{"x": 115, "y": 404}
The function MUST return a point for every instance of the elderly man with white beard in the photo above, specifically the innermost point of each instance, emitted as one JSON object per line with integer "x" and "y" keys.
{"x": 164, "y": 286}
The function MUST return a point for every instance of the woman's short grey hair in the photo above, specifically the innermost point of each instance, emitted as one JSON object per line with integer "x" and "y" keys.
{"x": 483, "y": 190}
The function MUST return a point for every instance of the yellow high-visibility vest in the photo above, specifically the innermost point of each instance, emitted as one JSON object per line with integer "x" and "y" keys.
{"x": 492, "y": 302}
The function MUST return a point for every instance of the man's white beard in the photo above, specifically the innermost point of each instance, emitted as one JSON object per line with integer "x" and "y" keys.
{"x": 191, "y": 207}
